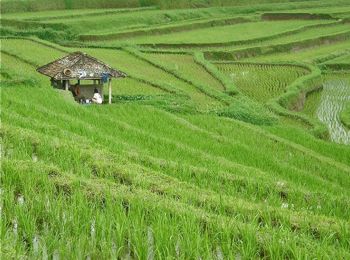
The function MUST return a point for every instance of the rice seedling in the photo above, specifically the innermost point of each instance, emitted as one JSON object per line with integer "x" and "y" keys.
{"x": 244, "y": 31}
{"x": 186, "y": 65}
{"x": 335, "y": 95}
{"x": 306, "y": 55}
{"x": 261, "y": 82}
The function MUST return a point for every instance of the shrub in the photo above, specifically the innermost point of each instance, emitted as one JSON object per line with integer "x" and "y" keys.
{"x": 245, "y": 110}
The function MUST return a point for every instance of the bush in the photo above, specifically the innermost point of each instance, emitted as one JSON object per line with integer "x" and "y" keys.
{"x": 245, "y": 110}
{"x": 48, "y": 34}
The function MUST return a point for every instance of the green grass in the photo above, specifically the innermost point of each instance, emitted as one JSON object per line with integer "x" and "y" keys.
{"x": 181, "y": 165}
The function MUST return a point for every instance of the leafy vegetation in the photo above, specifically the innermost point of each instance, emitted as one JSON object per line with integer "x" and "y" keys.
{"x": 246, "y": 157}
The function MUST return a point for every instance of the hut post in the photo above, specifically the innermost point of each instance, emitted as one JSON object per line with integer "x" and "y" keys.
{"x": 110, "y": 91}
{"x": 66, "y": 85}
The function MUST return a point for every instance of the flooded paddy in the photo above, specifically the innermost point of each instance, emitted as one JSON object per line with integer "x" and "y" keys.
{"x": 335, "y": 96}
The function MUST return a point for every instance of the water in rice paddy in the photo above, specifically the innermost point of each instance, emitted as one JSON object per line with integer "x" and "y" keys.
{"x": 335, "y": 96}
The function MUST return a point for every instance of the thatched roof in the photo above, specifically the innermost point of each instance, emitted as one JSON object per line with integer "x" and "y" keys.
{"x": 78, "y": 65}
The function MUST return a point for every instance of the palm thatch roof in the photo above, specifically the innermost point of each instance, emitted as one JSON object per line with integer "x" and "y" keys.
{"x": 79, "y": 65}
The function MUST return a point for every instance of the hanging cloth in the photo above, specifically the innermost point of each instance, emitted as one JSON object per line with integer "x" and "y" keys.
{"x": 105, "y": 77}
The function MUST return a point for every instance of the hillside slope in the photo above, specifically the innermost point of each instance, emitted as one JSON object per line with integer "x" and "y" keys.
{"x": 210, "y": 152}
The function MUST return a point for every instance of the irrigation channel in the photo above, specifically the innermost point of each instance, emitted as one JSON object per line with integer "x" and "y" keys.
{"x": 335, "y": 95}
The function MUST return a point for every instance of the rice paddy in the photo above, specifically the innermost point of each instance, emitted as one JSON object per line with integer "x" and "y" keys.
{"x": 261, "y": 82}
{"x": 240, "y": 32}
{"x": 335, "y": 96}
{"x": 209, "y": 150}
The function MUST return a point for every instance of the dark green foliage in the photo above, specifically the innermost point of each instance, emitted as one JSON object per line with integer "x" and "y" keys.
{"x": 172, "y": 103}
{"x": 48, "y": 34}
{"x": 245, "y": 110}
{"x": 145, "y": 3}
{"x": 68, "y": 4}
{"x": 15, "y": 83}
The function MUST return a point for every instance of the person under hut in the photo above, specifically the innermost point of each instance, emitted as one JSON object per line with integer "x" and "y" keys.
{"x": 97, "y": 99}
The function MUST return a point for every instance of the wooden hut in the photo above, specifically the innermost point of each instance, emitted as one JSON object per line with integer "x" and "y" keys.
{"x": 81, "y": 74}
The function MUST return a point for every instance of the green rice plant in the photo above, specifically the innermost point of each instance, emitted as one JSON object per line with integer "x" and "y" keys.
{"x": 245, "y": 110}
{"x": 303, "y": 35}
{"x": 279, "y": 50}
{"x": 130, "y": 86}
{"x": 176, "y": 167}
{"x": 17, "y": 71}
{"x": 189, "y": 156}
{"x": 28, "y": 50}
{"x": 141, "y": 69}
{"x": 312, "y": 102}
{"x": 186, "y": 64}
{"x": 162, "y": 29}
{"x": 310, "y": 33}
{"x": 113, "y": 22}
{"x": 261, "y": 82}
{"x": 211, "y": 69}
{"x": 210, "y": 93}
{"x": 342, "y": 59}
{"x": 304, "y": 55}
{"x": 239, "y": 6}
{"x": 136, "y": 247}
{"x": 119, "y": 59}
{"x": 222, "y": 34}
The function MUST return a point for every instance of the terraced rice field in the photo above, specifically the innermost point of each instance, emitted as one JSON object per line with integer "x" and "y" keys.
{"x": 311, "y": 33}
{"x": 186, "y": 65}
{"x": 309, "y": 54}
{"x": 210, "y": 151}
{"x": 344, "y": 59}
{"x": 244, "y": 31}
{"x": 261, "y": 82}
